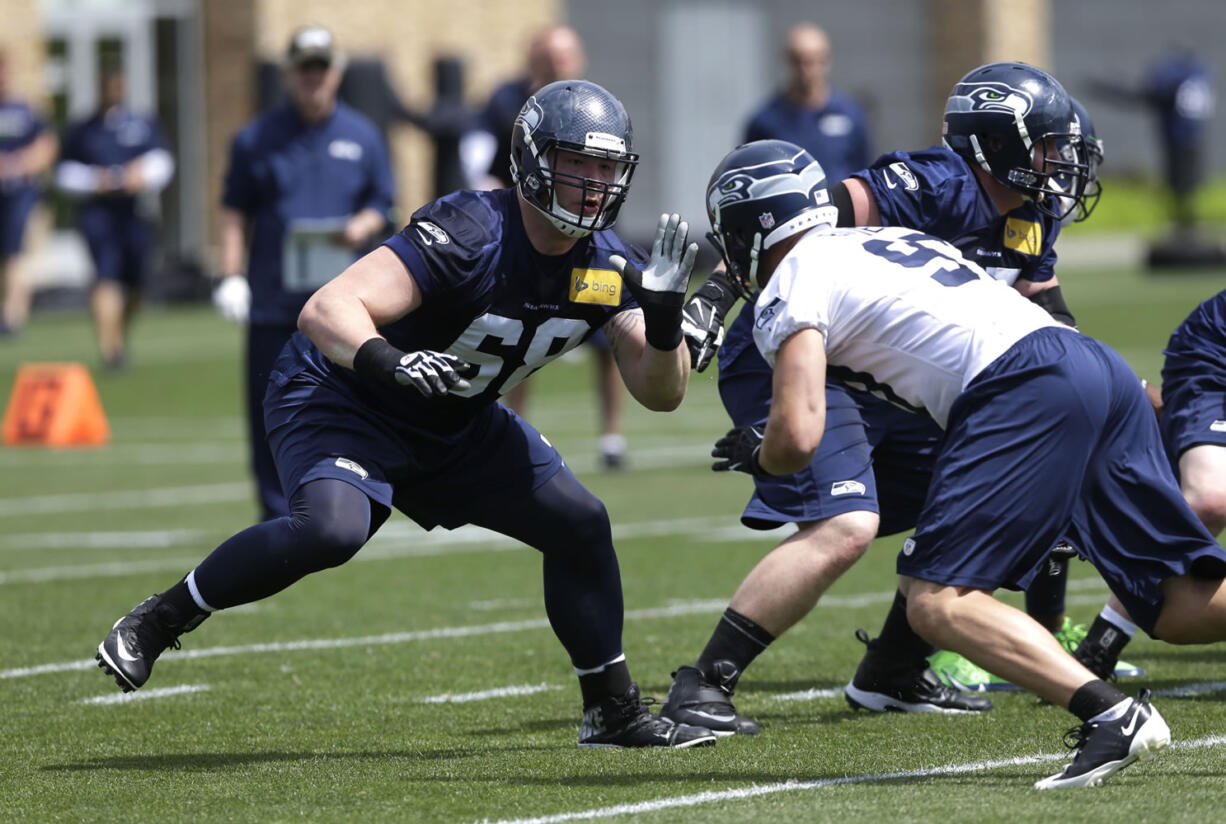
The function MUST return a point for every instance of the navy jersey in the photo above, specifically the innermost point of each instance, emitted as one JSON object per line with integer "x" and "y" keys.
{"x": 935, "y": 191}
{"x": 836, "y": 134}
{"x": 112, "y": 138}
{"x": 488, "y": 297}
{"x": 285, "y": 172}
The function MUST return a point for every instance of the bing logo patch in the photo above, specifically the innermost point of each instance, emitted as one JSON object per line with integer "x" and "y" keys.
{"x": 1023, "y": 236}
{"x": 602, "y": 286}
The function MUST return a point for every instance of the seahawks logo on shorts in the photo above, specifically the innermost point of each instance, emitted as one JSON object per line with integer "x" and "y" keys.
{"x": 847, "y": 488}
{"x": 353, "y": 466}
{"x": 1217, "y": 426}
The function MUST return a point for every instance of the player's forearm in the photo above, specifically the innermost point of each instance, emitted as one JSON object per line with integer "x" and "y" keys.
{"x": 338, "y": 323}
{"x": 232, "y": 242}
{"x": 655, "y": 378}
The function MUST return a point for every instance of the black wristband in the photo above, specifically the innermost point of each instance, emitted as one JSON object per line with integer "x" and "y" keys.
{"x": 377, "y": 359}
{"x": 663, "y": 333}
{"x": 755, "y": 463}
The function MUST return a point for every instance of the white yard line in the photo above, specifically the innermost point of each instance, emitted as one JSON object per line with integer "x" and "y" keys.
{"x": 673, "y": 610}
{"x": 144, "y": 695}
{"x": 757, "y": 791}
{"x": 485, "y": 695}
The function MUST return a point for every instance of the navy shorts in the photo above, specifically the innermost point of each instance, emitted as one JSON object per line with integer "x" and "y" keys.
{"x": 120, "y": 243}
{"x": 1057, "y": 438}
{"x": 873, "y": 456}
{"x": 15, "y": 207}
{"x": 1194, "y": 381}
{"x": 318, "y": 431}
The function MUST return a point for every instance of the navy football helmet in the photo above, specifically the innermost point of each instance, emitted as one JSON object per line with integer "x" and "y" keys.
{"x": 1016, "y": 122}
{"x": 581, "y": 117}
{"x": 1094, "y": 158}
{"x": 759, "y": 194}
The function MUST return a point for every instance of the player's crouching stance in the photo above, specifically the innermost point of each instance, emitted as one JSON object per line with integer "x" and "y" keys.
{"x": 1048, "y": 434}
{"x": 374, "y": 404}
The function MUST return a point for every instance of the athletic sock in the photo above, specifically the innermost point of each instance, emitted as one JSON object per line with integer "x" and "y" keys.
{"x": 738, "y": 639}
{"x": 1095, "y": 698}
{"x": 898, "y": 642}
{"x": 1046, "y": 593}
{"x": 611, "y": 680}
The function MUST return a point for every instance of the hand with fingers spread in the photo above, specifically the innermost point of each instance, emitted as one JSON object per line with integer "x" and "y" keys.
{"x": 660, "y": 287}
{"x": 739, "y": 451}
{"x": 702, "y": 319}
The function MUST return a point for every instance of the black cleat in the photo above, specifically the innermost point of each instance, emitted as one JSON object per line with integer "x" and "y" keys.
{"x": 626, "y": 722}
{"x": 881, "y": 686}
{"x": 1106, "y": 747}
{"x": 694, "y": 700}
{"x": 138, "y": 638}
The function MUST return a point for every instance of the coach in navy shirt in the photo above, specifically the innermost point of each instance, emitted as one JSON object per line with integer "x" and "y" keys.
{"x": 309, "y": 186}
{"x": 110, "y": 160}
{"x": 811, "y": 114}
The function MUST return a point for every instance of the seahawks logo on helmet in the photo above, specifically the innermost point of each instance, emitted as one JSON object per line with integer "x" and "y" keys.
{"x": 989, "y": 97}
{"x": 531, "y": 116}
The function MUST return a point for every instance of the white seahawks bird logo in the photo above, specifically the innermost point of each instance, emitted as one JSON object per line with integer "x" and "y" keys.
{"x": 989, "y": 97}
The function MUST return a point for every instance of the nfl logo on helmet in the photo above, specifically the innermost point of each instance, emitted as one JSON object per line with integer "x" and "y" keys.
{"x": 767, "y": 220}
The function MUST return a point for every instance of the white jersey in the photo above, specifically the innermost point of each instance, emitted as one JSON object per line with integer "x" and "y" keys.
{"x": 903, "y": 314}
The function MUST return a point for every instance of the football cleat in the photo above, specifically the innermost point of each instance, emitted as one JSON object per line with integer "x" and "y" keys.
{"x": 694, "y": 700}
{"x": 137, "y": 639}
{"x": 1106, "y": 747}
{"x": 962, "y": 674}
{"x": 1094, "y": 657}
{"x": 881, "y": 685}
{"x": 625, "y": 721}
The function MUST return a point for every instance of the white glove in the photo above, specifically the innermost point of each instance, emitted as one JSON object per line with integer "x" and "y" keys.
{"x": 232, "y": 297}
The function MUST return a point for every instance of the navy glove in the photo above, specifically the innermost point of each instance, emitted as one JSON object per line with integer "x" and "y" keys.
{"x": 739, "y": 451}
{"x": 702, "y": 319}
{"x": 660, "y": 287}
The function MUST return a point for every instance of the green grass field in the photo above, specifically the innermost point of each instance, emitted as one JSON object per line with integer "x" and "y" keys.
{"x": 421, "y": 683}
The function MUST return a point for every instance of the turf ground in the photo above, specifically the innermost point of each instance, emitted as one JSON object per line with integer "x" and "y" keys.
{"x": 421, "y": 682}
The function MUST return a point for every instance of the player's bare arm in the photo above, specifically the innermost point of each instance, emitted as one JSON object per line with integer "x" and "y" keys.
{"x": 798, "y": 407}
{"x": 657, "y": 379}
{"x": 344, "y": 313}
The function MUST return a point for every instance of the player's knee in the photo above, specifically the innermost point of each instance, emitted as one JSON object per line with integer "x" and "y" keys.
{"x": 929, "y": 612}
{"x": 1210, "y": 506}
{"x": 587, "y": 523}
{"x": 847, "y": 535}
{"x": 331, "y": 542}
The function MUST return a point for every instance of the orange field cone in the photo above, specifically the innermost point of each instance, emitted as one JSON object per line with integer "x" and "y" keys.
{"x": 55, "y": 404}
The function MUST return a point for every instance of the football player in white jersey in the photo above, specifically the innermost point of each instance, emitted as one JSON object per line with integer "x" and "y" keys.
{"x": 1048, "y": 434}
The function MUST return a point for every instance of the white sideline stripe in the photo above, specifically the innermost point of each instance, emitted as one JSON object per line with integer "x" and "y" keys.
{"x": 736, "y": 794}
{"x": 809, "y": 694}
{"x": 1191, "y": 690}
{"x": 130, "y": 539}
{"x": 673, "y": 610}
{"x": 132, "y": 499}
{"x": 499, "y": 692}
{"x": 160, "y": 692}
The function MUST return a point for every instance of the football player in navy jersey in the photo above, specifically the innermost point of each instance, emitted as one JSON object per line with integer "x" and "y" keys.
{"x": 1193, "y": 425}
{"x": 1048, "y": 434}
{"x": 386, "y": 398}
{"x": 1009, "y": 169}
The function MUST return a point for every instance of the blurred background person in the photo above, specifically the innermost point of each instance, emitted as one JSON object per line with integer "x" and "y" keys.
{"x": 1178, "y": 90}
{"x": 308, "y": 189}
{"x": 110, "y": 160}
{"x": 811, "y": 113}
{"x": 554, "y": 53}
{"x": 27, "y": 150}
